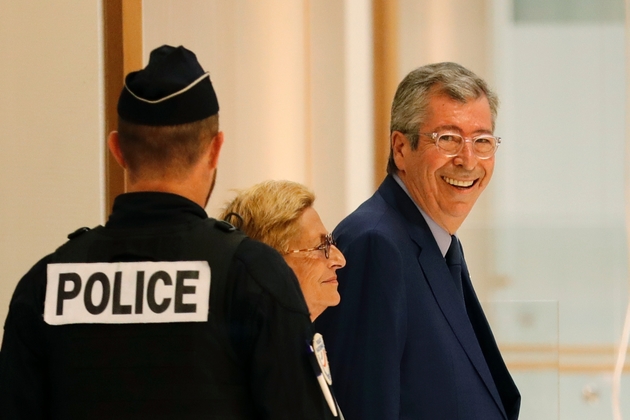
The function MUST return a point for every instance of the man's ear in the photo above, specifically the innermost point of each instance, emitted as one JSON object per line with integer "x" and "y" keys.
{"x": 214, "y": 150}
{"x": 113, "y": 143}
{"x": 400, "y": 148}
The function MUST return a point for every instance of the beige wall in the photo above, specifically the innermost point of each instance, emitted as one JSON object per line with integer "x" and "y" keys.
{"x": 293, "y": 80}
{"x": 287, "y": 91}
{"x": 50, "y": 107}
{"x": 257, "y": 64}
{"x": 445, "y": 30}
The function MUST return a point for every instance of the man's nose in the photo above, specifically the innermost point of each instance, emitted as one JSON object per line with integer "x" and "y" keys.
{"x": 466, "y": 157}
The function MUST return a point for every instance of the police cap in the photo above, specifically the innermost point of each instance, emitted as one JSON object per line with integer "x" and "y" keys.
{"x": 172, "y": 89}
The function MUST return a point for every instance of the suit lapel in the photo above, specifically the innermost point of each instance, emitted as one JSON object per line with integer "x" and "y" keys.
{"x": 436, "y": 272}
{"x": 505, "y": 385}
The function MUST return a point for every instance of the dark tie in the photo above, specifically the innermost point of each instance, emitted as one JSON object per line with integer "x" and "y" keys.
{"x": 454, "y": 260}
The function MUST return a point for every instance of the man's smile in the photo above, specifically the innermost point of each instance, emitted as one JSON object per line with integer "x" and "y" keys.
{"x": 458, "y": 183}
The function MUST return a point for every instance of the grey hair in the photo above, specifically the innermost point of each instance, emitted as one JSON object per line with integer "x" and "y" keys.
{"x": 409, "y": 108}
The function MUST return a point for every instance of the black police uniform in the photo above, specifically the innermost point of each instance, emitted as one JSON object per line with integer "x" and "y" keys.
{"x": 248, "y": 361}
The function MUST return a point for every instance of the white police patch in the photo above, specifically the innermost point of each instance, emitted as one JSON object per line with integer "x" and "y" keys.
{"x": 127, "y": 292}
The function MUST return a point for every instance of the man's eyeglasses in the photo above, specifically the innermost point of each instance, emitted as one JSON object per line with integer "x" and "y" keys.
{"x": 450, "y": 144}
{"x": 324, "y": 246}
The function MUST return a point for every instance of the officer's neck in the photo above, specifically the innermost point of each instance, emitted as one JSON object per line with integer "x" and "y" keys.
{"x": 191, "y": 187}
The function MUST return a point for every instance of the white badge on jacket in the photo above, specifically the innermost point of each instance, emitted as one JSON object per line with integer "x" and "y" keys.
{"x": 127, "y": 292}
{"x": 322, "y": 371}
{"x": 322, "y": 357}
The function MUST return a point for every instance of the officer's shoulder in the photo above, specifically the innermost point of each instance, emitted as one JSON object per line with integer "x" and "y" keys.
{"x": 77, "y": 240}
{"x": 219, "y": 228}
{"x": 255, "y": 255}
{"x": 224, "y": 226}
{"x": 30, "y": 291}
{"x": 269, "y": 270}
{"x": 80, "y": 231}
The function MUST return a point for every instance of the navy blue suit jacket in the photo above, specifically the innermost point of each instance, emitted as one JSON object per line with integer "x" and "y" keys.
{"x": 402, "y": 344}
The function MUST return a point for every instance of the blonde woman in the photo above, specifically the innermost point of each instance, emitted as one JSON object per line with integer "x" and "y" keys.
{"x": 281, "y": 214}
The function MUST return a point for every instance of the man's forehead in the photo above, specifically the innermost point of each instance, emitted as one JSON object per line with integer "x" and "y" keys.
{"x": 458, "y": 130}
{"x": 439, "y": 92}
{"x": 445, "y": 113}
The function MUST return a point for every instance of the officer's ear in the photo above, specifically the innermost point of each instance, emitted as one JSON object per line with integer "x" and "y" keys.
{"x": 113, "y": 143}
{"x": 214, "y": 149}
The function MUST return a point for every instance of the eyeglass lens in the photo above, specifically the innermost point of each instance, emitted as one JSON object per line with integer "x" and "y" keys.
{"x": 451, "y": 144}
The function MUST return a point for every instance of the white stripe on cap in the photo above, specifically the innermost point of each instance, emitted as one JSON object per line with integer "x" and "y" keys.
{"x": 190, "y": 86}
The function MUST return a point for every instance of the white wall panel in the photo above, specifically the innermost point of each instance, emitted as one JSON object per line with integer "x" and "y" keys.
{"x": 294, "y": 85}
{"x": 255, "y": 54}
{"x": 51, "y": 130}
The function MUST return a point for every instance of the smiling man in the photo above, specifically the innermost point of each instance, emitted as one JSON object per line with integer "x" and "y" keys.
{"x": 410, "y": 339}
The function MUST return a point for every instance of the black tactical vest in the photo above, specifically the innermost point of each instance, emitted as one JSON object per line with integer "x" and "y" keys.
{"x": 152, "y": 370}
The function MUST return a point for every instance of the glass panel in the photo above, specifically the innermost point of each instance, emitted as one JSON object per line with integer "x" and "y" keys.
{"x": 568, "y": 10}
{"x": 527, "y": 333}
{"x": 558, "y": 199}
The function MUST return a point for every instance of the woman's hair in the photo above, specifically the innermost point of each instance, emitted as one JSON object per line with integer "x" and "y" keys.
{"x": 269, "y": 211}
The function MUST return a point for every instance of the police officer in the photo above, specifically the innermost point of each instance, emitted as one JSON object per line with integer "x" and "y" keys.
{"x": 163, "y": 312}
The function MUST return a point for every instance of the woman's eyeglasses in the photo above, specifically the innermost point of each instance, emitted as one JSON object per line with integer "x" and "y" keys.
{"x": 324, "y": 246}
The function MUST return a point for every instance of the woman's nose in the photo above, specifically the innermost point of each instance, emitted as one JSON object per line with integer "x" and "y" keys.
{"x": 336, "y": 257}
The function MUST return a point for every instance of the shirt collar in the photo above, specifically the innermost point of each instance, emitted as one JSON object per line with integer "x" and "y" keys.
{"x": 441, "y": 236}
